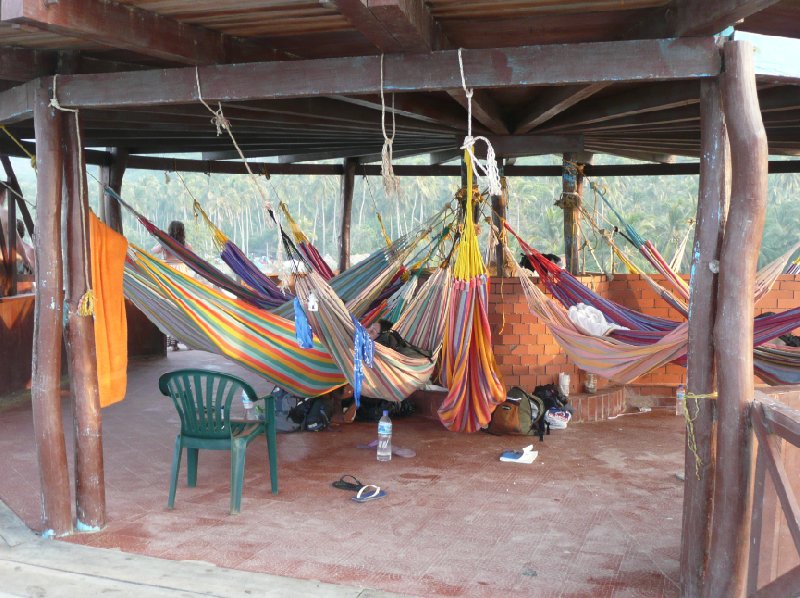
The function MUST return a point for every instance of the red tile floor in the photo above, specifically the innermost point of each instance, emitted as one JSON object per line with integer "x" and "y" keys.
{"x": 598, "y": 514}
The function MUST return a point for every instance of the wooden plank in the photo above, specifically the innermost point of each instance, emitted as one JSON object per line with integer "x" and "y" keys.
{"x": 785, "y": 585}
{"x": 48, "y": 314}
{"x": 757, "y": 525}
{"x": 123, "y": 26}
{"x": 442, "y": 156}
{"x": 426, "y": 109}
{"x": 645, "y": 60}
{"x": 733, "y": 328}
{"x": 111, "y": 176}
{"x": 16, "y": 104}
{"x": 348, "y": 184}
{"x": 712, "y": 206}
{"x": 10, "y": 250}
{"x": 781, "y": 480}
{"x": 90, "y": 498}
{"x": 553, "y": 102}
{"x": 13, "y": 184}
{"x": 783, "y": 421}
{"x": 484, "y": 109}
{"x": 508, "y": 146}
{"x": 409, "y": 23}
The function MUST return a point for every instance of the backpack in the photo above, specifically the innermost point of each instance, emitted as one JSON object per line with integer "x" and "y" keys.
{"x": 552, "y": 397}
{"x": 311, "y": 414}
{"x": 520, "y": 414}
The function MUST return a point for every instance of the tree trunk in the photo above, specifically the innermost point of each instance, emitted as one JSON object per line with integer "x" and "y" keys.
{"x": 90, "y": 500}
{"x": 712, "y": 207}
{"x": 733, "y": 329}
{"x": 48, "y": 427}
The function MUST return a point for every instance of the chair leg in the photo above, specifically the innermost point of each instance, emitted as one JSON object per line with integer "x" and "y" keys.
{"x": 176, "y": 466}
{"x": 238, "y": 453}
{"x": 191, "y": 466}
{"x": 272, "y": 448}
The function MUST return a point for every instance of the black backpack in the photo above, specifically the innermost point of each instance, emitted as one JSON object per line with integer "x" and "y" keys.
{"x": 552, "y": 397}
{"x": 311, "y": 414}
{"x": 521, "y": 413}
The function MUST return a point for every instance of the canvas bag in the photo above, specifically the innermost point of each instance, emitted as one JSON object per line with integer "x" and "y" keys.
{"x": 520, "y": 414}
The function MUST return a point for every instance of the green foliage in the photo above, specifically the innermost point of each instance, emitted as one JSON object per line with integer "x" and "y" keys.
{"x": 658, "y": 207}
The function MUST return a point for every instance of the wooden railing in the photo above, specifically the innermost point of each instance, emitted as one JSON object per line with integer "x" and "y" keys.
{"x": 777, "y": 429}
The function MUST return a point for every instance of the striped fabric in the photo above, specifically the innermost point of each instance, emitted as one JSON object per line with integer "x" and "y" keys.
{"x": 469, "y": 370}
{"x": 255, "y": 338}
{"x": 393, "y": 376}
{"x": 422, "y": 322}
{"x": 777, "y": 365}
{"x": 310, "y": 253}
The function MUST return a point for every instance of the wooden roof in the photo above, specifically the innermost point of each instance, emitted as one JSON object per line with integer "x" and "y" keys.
{"x": 650, "y": 118}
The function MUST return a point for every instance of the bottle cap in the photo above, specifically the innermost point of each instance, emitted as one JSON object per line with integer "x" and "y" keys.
{"x": 385, "y": 413}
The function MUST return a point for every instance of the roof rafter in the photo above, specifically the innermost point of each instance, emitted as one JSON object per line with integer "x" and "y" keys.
{"x": 553, "y": 102}
{"x": 134, "y": 29}
{"x": 690, "y": 17}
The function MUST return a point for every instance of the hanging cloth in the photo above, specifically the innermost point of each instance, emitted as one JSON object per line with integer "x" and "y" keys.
{"x": 108, "y": 249}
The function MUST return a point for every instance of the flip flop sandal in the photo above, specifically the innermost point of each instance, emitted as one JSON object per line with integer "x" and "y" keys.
{"x": 372, "y": 493}
{"x": 343, "y": 484}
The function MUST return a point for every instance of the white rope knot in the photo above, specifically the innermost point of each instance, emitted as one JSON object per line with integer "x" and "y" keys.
{"x": 219, "y": 120}
{"x": 391, "y": 182}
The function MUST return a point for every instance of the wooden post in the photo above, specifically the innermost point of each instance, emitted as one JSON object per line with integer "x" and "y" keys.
{"x": 90, "y": 502}
{"x": 733, "y": 328}
{"x": 11, "y": 243}
{"x": 46, "y": 376}
{"x": 111, "y": 176}
{"x": 570, "y": 201}
{"x": 348, "y": 182}
{"x": 712, "y": 207}
{"x": 499, "y": 203}
{"x": 13, "y": 183}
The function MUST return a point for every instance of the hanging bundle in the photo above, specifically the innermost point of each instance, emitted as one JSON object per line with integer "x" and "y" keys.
{"x": 391, "y": 182}
{"x": 364, "y": 354}
{"x": 302, "y": 329}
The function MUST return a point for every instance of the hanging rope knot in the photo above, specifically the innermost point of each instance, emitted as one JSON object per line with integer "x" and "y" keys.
{"x": 219, "y": 120}
{"x": 391, "y": 182}
{"x": 86, "y": 304}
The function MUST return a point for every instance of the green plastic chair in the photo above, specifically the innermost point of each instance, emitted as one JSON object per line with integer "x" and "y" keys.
{"x": 203, "y": 400}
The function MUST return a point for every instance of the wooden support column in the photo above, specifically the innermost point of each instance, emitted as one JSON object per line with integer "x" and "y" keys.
{"x": 712, "y": 208}
{"x": 570, "y": 202}
{"x": 90, "y": 500}
{"x": 499, "y": 203}
{"x": 11, "y": 242}
{"x": 111, "y": 176}
{"x": 13, "y": 183}
{"x": 46, "y": 376}
{"x": 733, "y": 328}
{"x": 348, "y": 183}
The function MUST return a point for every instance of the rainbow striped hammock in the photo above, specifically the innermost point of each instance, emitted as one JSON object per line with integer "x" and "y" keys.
{"x": 469, "y": 370}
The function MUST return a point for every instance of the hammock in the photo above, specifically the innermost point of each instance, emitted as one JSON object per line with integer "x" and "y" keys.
{"x": 310, "y": 253}
{"x": 648, "y": 250}
{"x": 777, "y": 365}
{"x": 422, "y": 323}
{"x": 392, "y": 376}
{"x": 469, "y": 369}
{"x": 255, "y": 338}
{"x": 793, "y": 268}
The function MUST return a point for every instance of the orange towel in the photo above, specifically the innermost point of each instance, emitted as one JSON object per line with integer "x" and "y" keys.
{"x": 108, "y": 250}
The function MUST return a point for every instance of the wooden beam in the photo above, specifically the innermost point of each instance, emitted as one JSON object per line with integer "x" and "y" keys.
{"x": 484, "y": 109}
{"x": 570, "y": 202}
{"x": 393, "y": 25}
{"x": 13, "y": 184}
{"x": 554, "y": 101}
{"x": 733, "y": 328}
{"x": 124, "y": 26}
{"x": 442, "y": 156}
{"x": 508, "y": 146}
{"x": 423, "y": 108}
{"x": 712, "y": 209}
{"x": 24, "y": 64}
{"x": 689, "y": 17}
{"x": 348, "y": 184}
{"x": 499, "y": 205}
{"x": 111, "y": 176}
{"x": 655, "y": 98}
{"x": 16, "y": 104}
{"x": 646, "y": 60}
{"x": 48, "y": 315}
{"x": 90, "y": 499}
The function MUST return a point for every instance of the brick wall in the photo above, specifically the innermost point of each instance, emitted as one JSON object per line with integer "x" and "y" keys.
{"x": 528, "y": 355}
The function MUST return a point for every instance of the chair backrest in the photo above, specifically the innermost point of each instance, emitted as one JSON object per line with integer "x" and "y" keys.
{"x": 203, "y": 400}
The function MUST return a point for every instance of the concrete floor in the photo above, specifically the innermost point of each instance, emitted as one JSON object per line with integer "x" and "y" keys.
{"x": 597, "y": 514}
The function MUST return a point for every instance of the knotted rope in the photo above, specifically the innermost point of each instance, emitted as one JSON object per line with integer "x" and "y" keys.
{"x": 86, "y": 302}
{"x": 488, "y": 168}
{"x": 391, "y": 182}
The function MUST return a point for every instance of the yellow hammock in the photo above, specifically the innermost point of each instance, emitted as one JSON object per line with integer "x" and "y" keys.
{"x": 469, "y": 369}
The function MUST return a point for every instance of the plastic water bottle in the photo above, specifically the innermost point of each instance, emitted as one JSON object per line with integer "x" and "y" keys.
{"x": 680, "y": 399}
{"x": 385, "y": 438}
{"x": 249, "y": 412}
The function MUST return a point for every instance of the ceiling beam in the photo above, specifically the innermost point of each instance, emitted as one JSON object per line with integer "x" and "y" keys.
{"x": 553, "y": 102}
{"x": 425, "y": 109}
{"x": 24, "y": 64}
{"x": 643, "y": 60}
{"x": 16, "y": 104}
{"x": 484, "y": 109}
{"x": 692, "y": 17}
{"x": 123, "y": 26}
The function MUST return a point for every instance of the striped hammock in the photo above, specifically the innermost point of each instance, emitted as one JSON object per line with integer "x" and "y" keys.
{"x": 208, "y": 319}
{"x": 393, "y": 376}
{"x": 469, "y": 370}
{"x": 310, "y": 253}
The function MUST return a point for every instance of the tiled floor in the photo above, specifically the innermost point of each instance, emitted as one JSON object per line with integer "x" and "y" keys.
{"x": 598, "y": 514}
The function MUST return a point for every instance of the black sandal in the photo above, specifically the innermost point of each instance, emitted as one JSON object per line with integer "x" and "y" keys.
{"x": 353, "y": 486}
